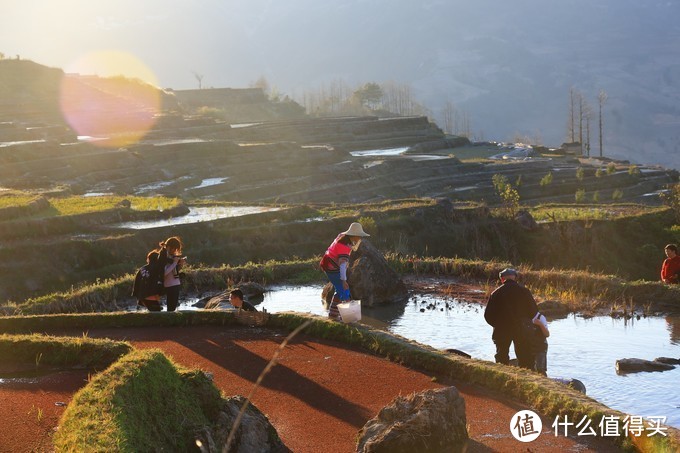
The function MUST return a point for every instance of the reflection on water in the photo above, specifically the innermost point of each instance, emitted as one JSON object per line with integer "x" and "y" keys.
{"x": 197, "y": 214}
{"x": 585, "y": 349}
{"x": 674, "y": 328}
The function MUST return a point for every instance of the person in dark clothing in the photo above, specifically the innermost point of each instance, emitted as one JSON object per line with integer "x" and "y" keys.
{"x": 148, "y": 283}
{"x": 236, "y": 299}
{"x": 508, "y": 307}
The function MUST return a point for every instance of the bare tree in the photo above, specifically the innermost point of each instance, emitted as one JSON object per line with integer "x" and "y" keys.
{"x": 449, "y": 113}
{"x": 580, "y": 120}
{"x": 601, "y": 99}
{"x": 199, "y": 78}
{"x": 572, "y": 113}
{"x": 588, "y": 113}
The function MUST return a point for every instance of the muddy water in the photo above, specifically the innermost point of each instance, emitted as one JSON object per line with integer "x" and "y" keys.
{"x": 585, "y": 349}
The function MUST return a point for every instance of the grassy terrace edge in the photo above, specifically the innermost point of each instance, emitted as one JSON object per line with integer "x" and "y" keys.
{"x": 579, "y": 290}
{"x": 45, "y": 350}
{"x": 540, "y": 393}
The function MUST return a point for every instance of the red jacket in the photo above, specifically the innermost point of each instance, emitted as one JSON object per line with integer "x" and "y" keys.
{"x": 670, "y": 269}
{"x": 336, "y": 251}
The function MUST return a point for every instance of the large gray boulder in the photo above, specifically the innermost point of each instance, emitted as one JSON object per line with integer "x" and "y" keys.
{"x": 254, "y": 434}
{"x": 432, "y": 421}
{"x": 637, "y": 365}
{"x": 371, "y": 279}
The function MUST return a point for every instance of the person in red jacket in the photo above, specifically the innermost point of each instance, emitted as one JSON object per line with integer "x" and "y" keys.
{"x": 671, "y": 265}
{"x": 335, "y": 263}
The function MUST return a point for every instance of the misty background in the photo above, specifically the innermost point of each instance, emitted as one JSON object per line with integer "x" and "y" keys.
{"x": 508, "y": 65}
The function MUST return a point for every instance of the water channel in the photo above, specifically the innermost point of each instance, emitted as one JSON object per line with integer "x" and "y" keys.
{"x": 585, "y": 349}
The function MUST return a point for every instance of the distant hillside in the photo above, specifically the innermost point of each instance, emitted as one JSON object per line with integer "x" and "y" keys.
{"x": 31, "y": 92}
{"x": 509, "y": 64}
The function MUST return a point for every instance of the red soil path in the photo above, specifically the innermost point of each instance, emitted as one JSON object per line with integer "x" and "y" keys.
{"x": 319, "y": 395}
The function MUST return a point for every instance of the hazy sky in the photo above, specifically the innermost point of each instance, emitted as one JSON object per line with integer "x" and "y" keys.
{"x": 510, "y": 64}
{"x": 172, "y": 38}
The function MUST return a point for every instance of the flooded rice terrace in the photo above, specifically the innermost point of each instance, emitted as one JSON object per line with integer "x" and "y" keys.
{"x": 197, "y": 214}
{"x": 585, "y": 349}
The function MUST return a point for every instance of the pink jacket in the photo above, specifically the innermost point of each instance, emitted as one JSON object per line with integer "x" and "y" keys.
{"x": 335, "y": 252}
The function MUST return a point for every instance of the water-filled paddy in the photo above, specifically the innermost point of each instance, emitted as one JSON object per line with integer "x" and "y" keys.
{"x": 197, "y": 214}
{"x": 585, "y": 349}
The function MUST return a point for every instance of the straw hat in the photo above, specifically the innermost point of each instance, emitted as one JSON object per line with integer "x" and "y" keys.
{"x": 355, "y": 229}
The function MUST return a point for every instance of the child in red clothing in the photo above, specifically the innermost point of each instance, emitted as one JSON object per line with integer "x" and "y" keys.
{"x": 671, "y": 265}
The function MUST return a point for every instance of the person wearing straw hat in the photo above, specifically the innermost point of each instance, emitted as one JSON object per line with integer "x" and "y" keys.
{"x": 335, "y": 263}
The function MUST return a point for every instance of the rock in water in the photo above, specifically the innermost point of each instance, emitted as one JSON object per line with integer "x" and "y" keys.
{"x": 637, "y": 365}
{"x": 371, "y": 279}
{"x": 667, "y": 360}
{"x": 432, "y": 421}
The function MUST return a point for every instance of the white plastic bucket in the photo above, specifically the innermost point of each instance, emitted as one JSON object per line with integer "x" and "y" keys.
{"x": 350, "y": 311}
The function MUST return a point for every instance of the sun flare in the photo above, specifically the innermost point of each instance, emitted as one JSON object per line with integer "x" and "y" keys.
{"x": 112, "y": 95}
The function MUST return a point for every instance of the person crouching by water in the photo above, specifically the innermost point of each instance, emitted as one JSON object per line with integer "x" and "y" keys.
{"x": 148, "y": 283}
{"x": 335, "y": 263}
{"x": 236, "y": 299}
{"x": 671, "y": 265}
{"x": 508, "y": 307}
{"x": 171, "y": 256}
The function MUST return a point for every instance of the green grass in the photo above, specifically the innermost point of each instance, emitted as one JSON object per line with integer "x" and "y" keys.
{"x": 16, "y": 199}
{"x": 561, "y": 212}
{"x": 60, "y": 351}
{"x": 143, "y": 402}
{"x": 82, "y": 205}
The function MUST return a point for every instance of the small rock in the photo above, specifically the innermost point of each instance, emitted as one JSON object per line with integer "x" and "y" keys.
{"x": 458, "y": 352}
{"x": 637, "y": 365}
{"x": 667, "y": 360}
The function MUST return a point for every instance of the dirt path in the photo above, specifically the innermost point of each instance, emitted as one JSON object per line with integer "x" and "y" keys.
{"x": 322, "y": 393}
{"x": 31, "y": 408}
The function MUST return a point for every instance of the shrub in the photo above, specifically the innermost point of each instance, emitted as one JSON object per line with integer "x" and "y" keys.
{"x": 580, "y": 195}
{"x": 611, "y": 168}
{"x": 580, "y": 173}
{"x": 547, "y": 179}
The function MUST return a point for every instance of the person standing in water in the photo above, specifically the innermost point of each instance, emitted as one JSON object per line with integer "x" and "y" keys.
{"x": 335, "y": 263}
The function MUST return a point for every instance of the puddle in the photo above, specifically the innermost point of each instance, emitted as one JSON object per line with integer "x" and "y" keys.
{"x": 196, "y": 215}
{"x": 373, "y": 163}
{"x": 241, "y": 125}
{"x": 177, "y": 141}
{"x": 380, "y": 152}
{"x": 210, "y": 182}
{"x": 424, "y": 157}
{"x": 585, "y": 349}
{"x": 23, "y": 142}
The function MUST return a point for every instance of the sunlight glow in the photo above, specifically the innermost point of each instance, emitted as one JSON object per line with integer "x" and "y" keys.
{"x": 110, "y": 94}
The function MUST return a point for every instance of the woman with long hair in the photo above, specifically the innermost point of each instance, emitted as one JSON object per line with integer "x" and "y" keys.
{"x": 170, "y": 255}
